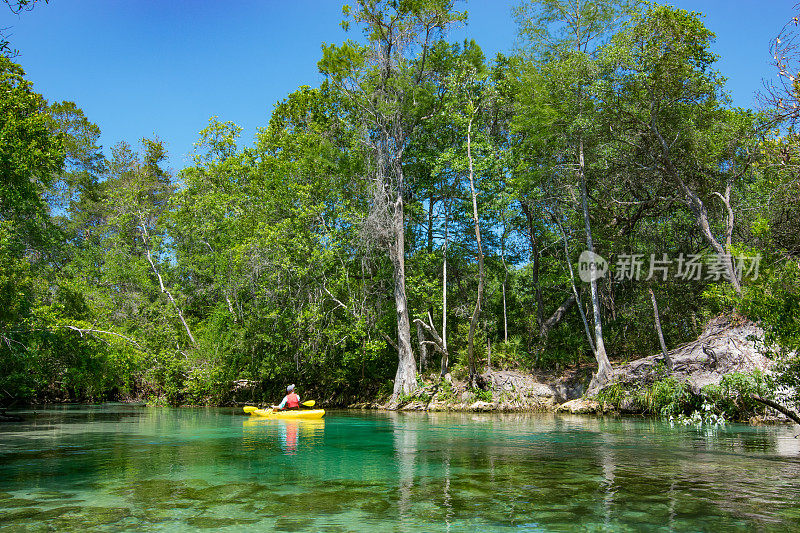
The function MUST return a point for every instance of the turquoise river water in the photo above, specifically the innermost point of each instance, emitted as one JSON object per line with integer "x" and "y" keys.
{"x": 134, "y": 468}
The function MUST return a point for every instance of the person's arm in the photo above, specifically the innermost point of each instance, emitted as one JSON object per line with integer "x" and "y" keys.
{"x": 283, "y": 403}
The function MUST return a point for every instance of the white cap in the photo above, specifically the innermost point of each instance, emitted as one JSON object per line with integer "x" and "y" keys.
{"x": 290, "y": 388}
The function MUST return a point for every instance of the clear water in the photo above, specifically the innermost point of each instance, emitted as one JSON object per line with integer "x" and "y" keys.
{"x": 128, "y": 468}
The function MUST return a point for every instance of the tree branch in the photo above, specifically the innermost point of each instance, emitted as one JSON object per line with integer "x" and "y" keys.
{"x": 339, "y": 303}
{"x": 778, "y": 407}
{"x": 86, "y": 330}
{"x": 556, "y": 317}
{"x": 145, "y": 240}
{"x": 438, "y": 342}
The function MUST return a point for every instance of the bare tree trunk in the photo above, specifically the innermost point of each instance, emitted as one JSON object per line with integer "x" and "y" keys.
{"x": 701, "y": 215}
{"x": 488, "y": 353}
{"x": 423, "y": 349}
{"x": 505, "y": 276}
{"x": 697, "y": 207}
{"x": 505, "y": 279}
{"x": 431, "y": 202}
{"x": 658, "y": 329}
{"x": 572, "y": 285}
{"x": 445, "y": 362}
{"x": 146, "y": 242}
{"x": 505, "y": 314}
{"x": 81, "y": 331}
{"x": 726, "y": 200}
{"x": 405, "y": 378}
{"x": 535, "y": 257}
{"x": 473, "y": 369}
{"x": 603, "y": 365}
{"x": 230, "y": 308}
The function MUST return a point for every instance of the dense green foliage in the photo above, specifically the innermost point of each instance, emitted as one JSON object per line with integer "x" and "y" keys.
{"x": 296, "y": 258}
{"x": 669, "y": 397}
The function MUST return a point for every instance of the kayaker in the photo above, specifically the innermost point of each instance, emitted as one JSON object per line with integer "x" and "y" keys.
{"x": 290, "y": 401}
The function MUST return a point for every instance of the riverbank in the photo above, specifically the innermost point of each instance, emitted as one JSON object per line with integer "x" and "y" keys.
{"x": 720, "y": 373}
{"x": 725, "y": 372}
{"x": 502, "y": 391}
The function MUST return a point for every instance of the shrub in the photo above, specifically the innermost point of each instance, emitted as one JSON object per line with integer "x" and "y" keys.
{"x": 510, "y": 354}
{"x": 446, "y": 391}
{"x": 664, "y": 397}
{"x": 385, "y": 390}
{"x": 482, "y": 395}
{"x": 423, "y": 397}
{"x": 668, "y": 397}
{"x": 703, "y": 416}
{"x": 773, "y": 299}
{"x": 459, "y": 371}
{"x": 612, "y": 395}
{"x": 731, "y": 397}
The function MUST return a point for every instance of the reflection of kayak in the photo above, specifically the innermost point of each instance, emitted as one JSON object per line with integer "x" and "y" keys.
{"x": 289, "y": 414}
{"x": 260, "y": 432}
{"x": 306, "y": 424}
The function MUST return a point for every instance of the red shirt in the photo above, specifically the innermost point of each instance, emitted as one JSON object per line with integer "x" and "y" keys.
{"x": 292, "y": 401}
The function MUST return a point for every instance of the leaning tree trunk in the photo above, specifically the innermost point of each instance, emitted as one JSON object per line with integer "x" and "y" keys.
{"x": 556, "y": 317}
{"x": 428, "y": 328}
{"x": 698, "y": 209}
{"x": 145, "y": 236}
{"x": 572, "y": 284}
{"x": 778, "y": 407}
{"x": 658, "y": 329}
{"x": 473, "y": 367}
{"x": 603, "y": 365}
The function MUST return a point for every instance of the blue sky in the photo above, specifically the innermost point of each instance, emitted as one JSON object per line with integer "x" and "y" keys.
{"x": 144, "y": 67}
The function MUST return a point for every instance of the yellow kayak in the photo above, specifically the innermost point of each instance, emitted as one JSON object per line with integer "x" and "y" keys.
{"x": 307, "y": 414}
